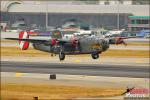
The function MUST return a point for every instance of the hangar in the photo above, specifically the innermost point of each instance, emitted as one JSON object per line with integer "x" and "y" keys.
{"x": 111, "y": 14}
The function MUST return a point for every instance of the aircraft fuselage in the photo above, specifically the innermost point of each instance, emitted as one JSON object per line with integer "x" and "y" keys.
{"x": 84, "y": 45}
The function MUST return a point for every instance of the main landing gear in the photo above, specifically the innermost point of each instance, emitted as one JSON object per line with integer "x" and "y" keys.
{"x": 61, "y": 53}
{"x": 95, "y": 55}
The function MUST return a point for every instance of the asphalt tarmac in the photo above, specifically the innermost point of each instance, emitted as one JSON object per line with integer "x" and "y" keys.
{"x": 77, "y": 69}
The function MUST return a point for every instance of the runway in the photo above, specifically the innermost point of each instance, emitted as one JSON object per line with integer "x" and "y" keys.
{"x": 77, "y": 69}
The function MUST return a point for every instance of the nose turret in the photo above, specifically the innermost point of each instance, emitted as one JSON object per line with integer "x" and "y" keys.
{"x": 104, "y": 44}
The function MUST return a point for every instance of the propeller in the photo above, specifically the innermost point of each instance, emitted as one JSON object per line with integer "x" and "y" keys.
{"x": 74, "y": 41}
{"x": 120, "y": 40}
{"x": 53, "y": 43}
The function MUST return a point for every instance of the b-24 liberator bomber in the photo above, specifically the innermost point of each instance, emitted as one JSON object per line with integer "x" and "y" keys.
{"x": 57, "y": 44}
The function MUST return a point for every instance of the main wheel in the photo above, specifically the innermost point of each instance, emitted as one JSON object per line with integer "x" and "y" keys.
{"x": 95, "y": 56}
{"x": 61, "y": 56}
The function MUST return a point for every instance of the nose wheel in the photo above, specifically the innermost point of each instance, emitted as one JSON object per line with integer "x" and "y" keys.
{"x": 95, "y": 55}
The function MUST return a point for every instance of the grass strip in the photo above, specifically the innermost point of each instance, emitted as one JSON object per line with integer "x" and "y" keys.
{"x": 27, "y": 92}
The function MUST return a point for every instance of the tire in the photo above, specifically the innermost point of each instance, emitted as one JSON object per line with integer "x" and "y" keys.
{"x": 61, "y": 56}
{"x": 95, "y": 56}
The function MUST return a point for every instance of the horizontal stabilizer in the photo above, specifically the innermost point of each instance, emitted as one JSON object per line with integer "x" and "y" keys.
{"x": 38, "y": 40}
{"x": 29, "y": 40}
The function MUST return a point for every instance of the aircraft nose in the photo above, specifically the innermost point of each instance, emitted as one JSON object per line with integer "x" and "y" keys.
{"x": 105, "y": 45}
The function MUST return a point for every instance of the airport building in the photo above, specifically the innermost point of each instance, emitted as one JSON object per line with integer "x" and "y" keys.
{"x": 110, "y": 14}
{"x": 137, "y": 23}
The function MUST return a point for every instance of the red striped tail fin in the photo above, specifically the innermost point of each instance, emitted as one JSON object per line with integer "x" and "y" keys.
{"x": 23, "y": 44}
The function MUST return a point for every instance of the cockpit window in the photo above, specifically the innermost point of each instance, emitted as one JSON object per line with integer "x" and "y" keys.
{"x": 56, "y": 34}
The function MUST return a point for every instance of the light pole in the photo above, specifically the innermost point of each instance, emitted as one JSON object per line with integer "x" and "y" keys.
{"x": 118, "y": 15}
{"x": 46, "y": 17}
